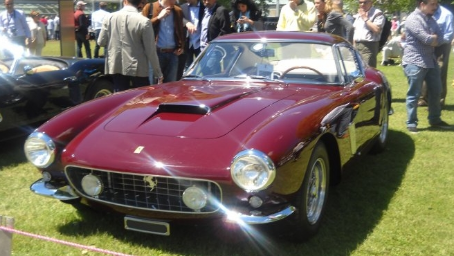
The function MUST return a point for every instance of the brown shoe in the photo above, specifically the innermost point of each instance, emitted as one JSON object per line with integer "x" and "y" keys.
{"x": 422, "y": 103}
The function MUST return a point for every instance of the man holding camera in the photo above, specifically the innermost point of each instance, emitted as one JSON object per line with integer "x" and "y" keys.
{"x": 13, "y": 24}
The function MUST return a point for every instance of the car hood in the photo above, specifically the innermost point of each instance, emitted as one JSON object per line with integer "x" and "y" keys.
{"x": 202, "y": 111}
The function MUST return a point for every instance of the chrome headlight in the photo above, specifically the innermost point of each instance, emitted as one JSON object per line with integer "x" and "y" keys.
{"x": 252, "y": 170}
{"x": 40, "y": 150}
{"x": 92, "y": 185}
{"x": 195, "y": 198}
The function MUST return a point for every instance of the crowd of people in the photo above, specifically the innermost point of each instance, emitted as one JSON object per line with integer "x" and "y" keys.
{"x": 158, "y": 45}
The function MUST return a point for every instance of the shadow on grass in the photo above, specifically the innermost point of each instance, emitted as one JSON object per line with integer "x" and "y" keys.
{"x": 355, "y": 207}
{"x": 11, "y": 152}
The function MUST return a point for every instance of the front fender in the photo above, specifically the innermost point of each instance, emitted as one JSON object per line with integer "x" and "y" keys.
{"x": 65, "y": 126}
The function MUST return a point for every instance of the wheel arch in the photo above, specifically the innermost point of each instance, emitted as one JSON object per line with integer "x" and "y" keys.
{"x": 334, "y": 157}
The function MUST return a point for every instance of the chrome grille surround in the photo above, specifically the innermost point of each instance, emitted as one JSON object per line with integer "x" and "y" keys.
{"x": 145, "y": 192}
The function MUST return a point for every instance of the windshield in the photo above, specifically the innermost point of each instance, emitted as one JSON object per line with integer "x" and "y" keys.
{"x": 8, "y": 53}
{"x": 289, "y": 61}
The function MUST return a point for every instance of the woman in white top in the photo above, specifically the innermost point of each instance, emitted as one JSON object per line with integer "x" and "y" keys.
{"x": 38, "y": 35}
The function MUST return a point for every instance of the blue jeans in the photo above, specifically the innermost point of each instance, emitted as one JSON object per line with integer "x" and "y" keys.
{"x": 97, "y": 47}
{"x": 169, "y": 65}
{"x": 415, "y": 77}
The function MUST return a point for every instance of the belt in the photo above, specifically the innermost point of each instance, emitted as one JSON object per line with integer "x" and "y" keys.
{"x": 168, "y": 50}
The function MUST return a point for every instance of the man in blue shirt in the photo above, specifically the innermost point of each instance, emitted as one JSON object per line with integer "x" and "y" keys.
{"x": 13, "y": 24}
{"x": 444, "y": 20}
{"x": 167, "y": 20}
{"x": 422, "y": 35}
{"x": 193, "y": 12}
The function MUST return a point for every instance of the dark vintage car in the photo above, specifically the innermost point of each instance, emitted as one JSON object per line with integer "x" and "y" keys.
{"x": 34, "y": 89}
{"x": 259, "y": 127}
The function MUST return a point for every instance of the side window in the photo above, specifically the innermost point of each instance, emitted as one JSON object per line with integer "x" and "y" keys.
{"x": 348, "y": 63}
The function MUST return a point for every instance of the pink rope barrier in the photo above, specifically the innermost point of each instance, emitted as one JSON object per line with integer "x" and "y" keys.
{"x": 63, "y": 242}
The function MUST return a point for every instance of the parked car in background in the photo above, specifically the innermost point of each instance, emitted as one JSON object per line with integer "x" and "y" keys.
{"x": 34, "y": 89}
{"x": 260, "y": 126}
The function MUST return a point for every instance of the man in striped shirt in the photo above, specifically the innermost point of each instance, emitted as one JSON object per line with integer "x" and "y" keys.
{"x": 422, "y": 35}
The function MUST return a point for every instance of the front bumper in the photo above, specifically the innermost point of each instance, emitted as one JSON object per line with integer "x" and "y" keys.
{"x": 44, "y": 188}
{"x": 64, "y": 193}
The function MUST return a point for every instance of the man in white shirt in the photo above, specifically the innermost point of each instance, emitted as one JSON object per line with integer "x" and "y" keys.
{"x": 97, "y": 18}
{"x": 50, "y": 28}
{"x": 57, "y": 28}
{"x": 13, "y": 24}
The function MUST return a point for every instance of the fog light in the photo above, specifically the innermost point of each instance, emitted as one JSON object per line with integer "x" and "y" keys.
{"x": 255, "y": 201}
{"x": 195, "y": 198}
{"x": 92, "y": 185}
{"x": 46, "y": 176}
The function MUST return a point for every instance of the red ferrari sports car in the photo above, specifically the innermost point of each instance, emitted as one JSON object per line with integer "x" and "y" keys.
{"x": 260, "y": 126}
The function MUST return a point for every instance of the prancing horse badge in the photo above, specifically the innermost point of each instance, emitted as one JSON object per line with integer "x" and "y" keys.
{"x": 152, "y": 182}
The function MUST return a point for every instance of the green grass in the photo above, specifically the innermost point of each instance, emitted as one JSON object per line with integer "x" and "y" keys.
{"x": 52, "y": 48}
{"x": 395, "y": 203}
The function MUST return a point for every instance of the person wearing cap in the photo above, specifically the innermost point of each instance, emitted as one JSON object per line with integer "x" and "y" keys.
{"x": 13, "y": 24}
{"x": 130, "y": 43}
{"x": 81, "y": 26}
{"x": 38, "y": 35}
{"x": 97, "y": 18}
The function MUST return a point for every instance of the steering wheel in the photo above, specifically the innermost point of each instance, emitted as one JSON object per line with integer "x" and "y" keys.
{"x": 298, "y": 67}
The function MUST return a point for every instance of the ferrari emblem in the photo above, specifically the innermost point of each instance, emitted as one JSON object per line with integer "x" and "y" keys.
{"x": 152, "y": 182}
{"x": 138, "y": 149}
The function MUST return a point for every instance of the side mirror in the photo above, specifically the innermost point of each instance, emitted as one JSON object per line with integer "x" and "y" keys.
{"x": 355, "y": 74}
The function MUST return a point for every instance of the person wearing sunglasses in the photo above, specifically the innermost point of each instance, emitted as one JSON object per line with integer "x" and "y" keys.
{"x": 368, "y": 27}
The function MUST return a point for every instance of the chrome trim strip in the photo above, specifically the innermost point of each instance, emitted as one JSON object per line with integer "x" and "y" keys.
{"x": 250, "y": 219}
{"x": 146, "y": 226}
{"x": 42, "y": 188}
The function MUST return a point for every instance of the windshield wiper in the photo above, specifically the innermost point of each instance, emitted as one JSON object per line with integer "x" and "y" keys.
{"x": 192, "y": 76}
{"x": 254, "y": 77}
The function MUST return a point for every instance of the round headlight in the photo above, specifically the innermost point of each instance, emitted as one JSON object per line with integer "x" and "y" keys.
{"x": 195, "y": 198}
{"x": 40, "y": 150}
{"x": 92, "y": 185}
{"x": 252, "y": 170}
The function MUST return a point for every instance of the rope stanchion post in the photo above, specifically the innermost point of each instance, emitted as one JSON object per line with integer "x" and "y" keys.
{"x": 6, "y": 238}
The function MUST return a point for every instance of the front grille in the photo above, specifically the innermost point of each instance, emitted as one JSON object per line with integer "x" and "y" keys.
{"x": 158, "y": 193}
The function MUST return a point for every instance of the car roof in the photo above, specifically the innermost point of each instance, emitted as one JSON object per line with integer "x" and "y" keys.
{"x": 281, "y": 36}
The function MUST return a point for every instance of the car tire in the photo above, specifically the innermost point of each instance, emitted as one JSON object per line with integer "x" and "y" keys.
{"x": 311, "y": 197}
{"x": 382, "y": 139}
{"x": 100, "y": 88}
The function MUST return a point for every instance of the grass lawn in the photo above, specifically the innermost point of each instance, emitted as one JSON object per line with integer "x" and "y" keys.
{"x": 394, "y": 203}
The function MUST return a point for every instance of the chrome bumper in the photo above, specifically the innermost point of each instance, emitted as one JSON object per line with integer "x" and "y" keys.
{"x": 43, "y": 188}
{"x": 253, "y": 220}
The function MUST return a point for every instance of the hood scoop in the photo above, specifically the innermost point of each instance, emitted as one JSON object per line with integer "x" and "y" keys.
{"x": 190, "y": 113}
{"x": 183, "y": 108}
